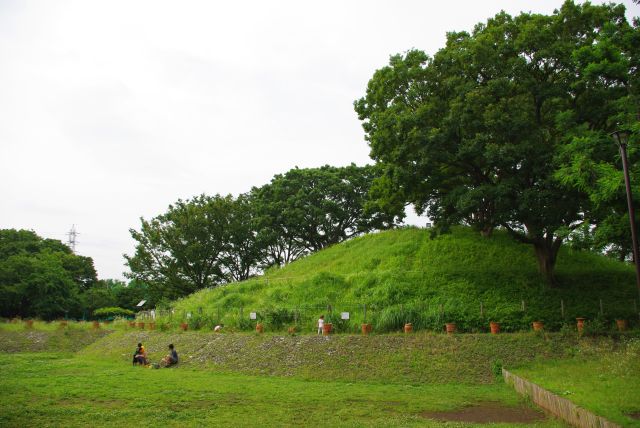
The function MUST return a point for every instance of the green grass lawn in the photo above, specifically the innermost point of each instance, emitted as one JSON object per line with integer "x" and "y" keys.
{"x": 79, "y": 377}
{"x": 598, "y": 379}
{"x": 49, "y": 389}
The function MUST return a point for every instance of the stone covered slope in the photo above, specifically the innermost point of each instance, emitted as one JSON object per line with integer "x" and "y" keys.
{"x": 416, "y": 358}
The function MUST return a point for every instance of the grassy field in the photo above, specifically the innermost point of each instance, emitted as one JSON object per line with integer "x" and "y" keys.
{"x": 404, "y": 276}
{"x": 62, "y": 390}
{"x": 245, "y": 379}
{"x": 599, "y": 378}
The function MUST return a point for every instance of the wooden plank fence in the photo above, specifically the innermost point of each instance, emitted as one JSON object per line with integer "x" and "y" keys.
{"x": 558, "y": 406}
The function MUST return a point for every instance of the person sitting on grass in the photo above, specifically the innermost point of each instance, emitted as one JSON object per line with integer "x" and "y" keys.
{"x": 140, "y": 356}
{"x": 171, "y": 358}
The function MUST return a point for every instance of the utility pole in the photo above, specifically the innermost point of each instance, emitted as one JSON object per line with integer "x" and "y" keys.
{"x": 621, "y": 138}
{"x": 72, "y": 234}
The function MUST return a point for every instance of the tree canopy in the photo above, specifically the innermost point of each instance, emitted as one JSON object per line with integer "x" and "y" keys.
{"x": 181, "y": 251}
{"x": 305, "y": 210}
{"x": 480, "y": 132}
{"x": 41, "y": 277}
{"x": 207, "y": 241}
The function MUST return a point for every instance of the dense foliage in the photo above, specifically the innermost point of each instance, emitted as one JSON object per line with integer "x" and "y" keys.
{"x": 306, "y": 210}
{"x": 184, "y": 249}
{"x": 494, "y": 129}
{"x": 207, "y": 241}
{"x": 41, "y": 277}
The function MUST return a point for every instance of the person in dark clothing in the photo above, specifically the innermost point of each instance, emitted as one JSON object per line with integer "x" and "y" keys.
{"x": 171, "y": 358}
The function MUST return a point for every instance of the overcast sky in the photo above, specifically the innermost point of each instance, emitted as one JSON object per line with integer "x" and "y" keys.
{"x": 112, "y": 110}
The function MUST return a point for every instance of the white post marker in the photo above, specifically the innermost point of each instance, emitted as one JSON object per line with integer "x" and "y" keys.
{"x": 344, "y": 315}
{"x": 252, "y": 316}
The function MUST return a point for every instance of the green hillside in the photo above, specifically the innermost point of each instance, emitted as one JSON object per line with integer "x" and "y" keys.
{"x": 403, "y": 276}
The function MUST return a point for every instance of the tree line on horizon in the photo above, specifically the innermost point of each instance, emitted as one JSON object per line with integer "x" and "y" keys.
{"x": 43, "y": 278}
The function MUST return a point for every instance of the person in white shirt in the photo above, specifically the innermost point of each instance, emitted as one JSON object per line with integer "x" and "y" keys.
{"x": 320, "y": 324}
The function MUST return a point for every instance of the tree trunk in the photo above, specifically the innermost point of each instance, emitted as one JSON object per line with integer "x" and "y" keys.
{"x": 546, "y": 253}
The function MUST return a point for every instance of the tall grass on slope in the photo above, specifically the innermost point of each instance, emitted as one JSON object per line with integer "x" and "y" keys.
{"x": 403, "y": 276}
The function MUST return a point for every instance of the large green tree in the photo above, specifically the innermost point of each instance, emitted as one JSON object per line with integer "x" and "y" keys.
{"x": 180, "y": 251}
{"x": 41, "y": 277}
{"x": 477, "y": 133}
{"x": 198, "y": 243}
{"x": 243, "y": 252}
{"x": 305, "y": 210}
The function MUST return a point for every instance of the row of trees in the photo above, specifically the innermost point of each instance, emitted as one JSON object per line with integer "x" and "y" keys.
{"x": 43, "y": 278}
{"x": 508, "y": 126}
{"x": 211, "y": 240}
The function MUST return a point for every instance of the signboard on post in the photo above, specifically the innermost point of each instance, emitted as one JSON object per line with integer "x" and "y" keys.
{"x": 253, "y": 316}
{"x": 344, "y": 315}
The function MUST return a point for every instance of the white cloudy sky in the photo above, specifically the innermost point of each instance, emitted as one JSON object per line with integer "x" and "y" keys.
{"x": 112, "y": 110}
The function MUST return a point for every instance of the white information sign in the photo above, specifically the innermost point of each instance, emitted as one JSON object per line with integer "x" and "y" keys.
{"x": 344, "y": 315}
{"x": 188, "y": 314}
{"x": 252, "y": 316}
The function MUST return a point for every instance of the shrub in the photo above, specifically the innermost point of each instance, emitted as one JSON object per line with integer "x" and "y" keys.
{"x": 111, "y": 312}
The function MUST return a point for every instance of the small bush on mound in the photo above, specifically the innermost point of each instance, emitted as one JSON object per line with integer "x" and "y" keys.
{"x": 111, "y": 312}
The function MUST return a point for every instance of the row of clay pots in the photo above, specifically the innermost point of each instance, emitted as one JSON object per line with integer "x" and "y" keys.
{"x": 621, "y": 324}
{"x": 63, "y": 324}
{"x": 366, "y": 328}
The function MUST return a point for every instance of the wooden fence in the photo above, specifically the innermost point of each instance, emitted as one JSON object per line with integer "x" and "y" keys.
{"x": 558, "y": 406}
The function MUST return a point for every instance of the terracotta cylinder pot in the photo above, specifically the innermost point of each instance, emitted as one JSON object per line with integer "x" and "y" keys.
{"x": 152, "y": 326}
{"x": 96, "y": 325}
{"x": 259, "y": 328}
{"x": 408, "y": 328}
{"x": 538, "y": 325}
{"x": 132, "y": 324}
{"x": 292, "y": 330}
{"x": 366, "y": 329}
{"x": 326, "y": 329}
{"x": 495, "y": 327}
{"x": 450, "y": 327}
{"x": 28, "y": 323}
{"x": 184, "y": 326}
{"x": 622, "y": 325}
{"x": 580, "y": 324}
{"x": 141, "y": 325}
{"x": 63, "y": 324}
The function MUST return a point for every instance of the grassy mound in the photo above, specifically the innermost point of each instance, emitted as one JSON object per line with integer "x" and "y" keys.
{"x": 403, "y": 276}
